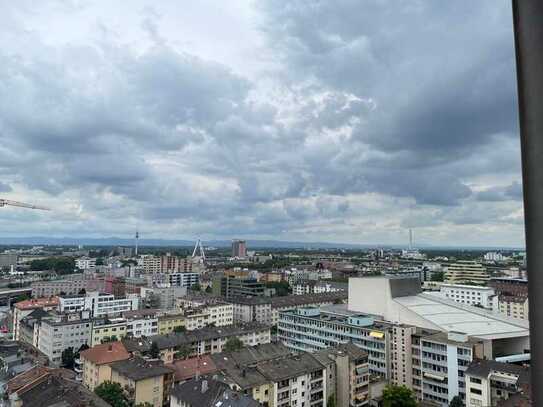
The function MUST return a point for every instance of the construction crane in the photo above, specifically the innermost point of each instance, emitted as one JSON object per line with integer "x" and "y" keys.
{"x": 7, "y": 202}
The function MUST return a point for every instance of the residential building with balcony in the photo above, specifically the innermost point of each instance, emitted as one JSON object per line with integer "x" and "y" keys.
{"x": 141, "y": 323}
{"x": 106, "y": 330}
{"x": 60, "y": 332}
{"x": 312, "y": 329}
{"x": 145, "y": 381}
{"x": 490, "y": 383}
{"x": 466, "y": 272}
{"x": 99, "y": 304}
{"x": 348, "y": 375}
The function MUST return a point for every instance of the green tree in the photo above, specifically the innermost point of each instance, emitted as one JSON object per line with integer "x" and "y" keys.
{"x": 182, "y": 352}
{"x": 112, "y": 393}
{"x": 61, "y": 265}
{"x": 233, "y": 344}
{"x": 154, "y": 351}
{"x": 196, "y": 287}
{"x": 438, "y": 276}
{"x": 22, "y": 297}
{"x": 68, "y": 358}
{"x": 456, "y": 402}
{"x": 179, "y": 329}
{"x": 398, "y": 396}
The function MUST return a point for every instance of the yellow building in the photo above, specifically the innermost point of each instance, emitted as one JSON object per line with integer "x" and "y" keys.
{"x": 97, "y": 359}
{"x": 108, "y": 330}
{"x": 145, "y": 382}
{"x": 167, "y": 323}
{"x": 466, "y": 272}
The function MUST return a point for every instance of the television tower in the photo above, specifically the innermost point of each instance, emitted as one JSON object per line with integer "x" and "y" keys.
{"x": 410, "y": 239}
{"x": 136, "y": 242}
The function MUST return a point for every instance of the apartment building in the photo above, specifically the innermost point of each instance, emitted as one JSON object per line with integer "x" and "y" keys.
{"x": 29, "y": 327}
{"x": 511, "y": 297}
{"x": 141, "y": 323}
{"x": 56, "y": 287}
{"x": 176, "y": 264}
{"x": 433, "y": 363}
{"x": 184, "y": 279}
{"x": 85, "y": 263}
{"x": 466, "y": 272}
{"x": 23, "y": 308}
{"x": 96, "y": 361}
{"x": 207, "y": 340}
{"x": 275, "y": 379}
{"x": 266, "y": 310}
{"x": 146, "y": 382}
{"x": 317, "y": 287}
{"x": 468, "y": 294}
{"x": 108, "y": 330}
{"x": 311, "y": 329}
{"x": 60, "y": 332}
{"x": 347, "y": 372}
{"x": 488, "y": 383}
{"x": 162, "y": 296}
{"x": 231, "y": 287}
{"x": 168, "y": 322}
{"x": 150, "y": 263}
{"x": 252, "y": 309}
{"x": 99, "y": 304}
{"x": 208, "y": 392}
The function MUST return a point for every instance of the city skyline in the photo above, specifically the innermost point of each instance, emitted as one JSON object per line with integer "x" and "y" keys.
{"x": 249, "y": 120}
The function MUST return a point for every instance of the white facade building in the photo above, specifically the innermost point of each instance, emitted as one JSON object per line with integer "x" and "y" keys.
{"x": 312, "y": 287}
{"x": 85, "y": 263}
{"x": 99, "y": 304}
{"x": 468, "y": 294}
{"x": 137, "y": 327}
{"x": 59, "y": 333}
{"x": 494, "y": 256}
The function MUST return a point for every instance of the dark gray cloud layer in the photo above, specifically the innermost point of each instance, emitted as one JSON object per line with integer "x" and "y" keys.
{"x": 374, "y": 115}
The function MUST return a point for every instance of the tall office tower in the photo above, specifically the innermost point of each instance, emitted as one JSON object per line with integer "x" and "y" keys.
{"x": 239, "y": 248}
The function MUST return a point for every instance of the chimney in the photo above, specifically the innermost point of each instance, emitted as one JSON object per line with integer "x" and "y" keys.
{"x": 204, "y": 386}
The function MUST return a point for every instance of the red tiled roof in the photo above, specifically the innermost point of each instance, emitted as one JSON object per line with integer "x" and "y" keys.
{"x": 106, "y": 353}
{"x": 188, "y": 368}
{"x": 37, "y": 303}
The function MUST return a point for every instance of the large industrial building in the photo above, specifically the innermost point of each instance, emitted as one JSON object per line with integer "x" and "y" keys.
{"x": 400, "y": 300}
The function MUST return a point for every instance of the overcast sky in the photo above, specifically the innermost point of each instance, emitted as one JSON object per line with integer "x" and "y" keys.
{"x": 343, "y": 120}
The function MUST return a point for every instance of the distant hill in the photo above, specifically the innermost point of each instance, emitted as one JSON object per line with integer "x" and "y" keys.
{"x": 251, "y": 243}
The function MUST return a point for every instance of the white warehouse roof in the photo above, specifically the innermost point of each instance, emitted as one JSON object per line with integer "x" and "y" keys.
{"x": 400, "y": 299}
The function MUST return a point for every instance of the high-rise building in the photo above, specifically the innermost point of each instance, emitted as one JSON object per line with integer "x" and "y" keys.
{"x": 239, "y": 248}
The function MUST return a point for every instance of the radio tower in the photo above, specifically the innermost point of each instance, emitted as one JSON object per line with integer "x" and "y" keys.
{"x": 136, "y": 242}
